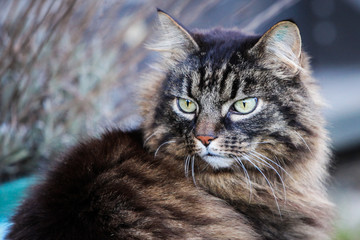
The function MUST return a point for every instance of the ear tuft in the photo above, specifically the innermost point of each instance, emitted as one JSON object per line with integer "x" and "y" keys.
{"x": 286, "y": 33}
{"x": 282, "y": 41}
{"x": 172, "y": 40}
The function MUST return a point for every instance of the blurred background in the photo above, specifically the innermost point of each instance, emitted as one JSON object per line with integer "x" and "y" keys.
{"x": 68, "y": 69}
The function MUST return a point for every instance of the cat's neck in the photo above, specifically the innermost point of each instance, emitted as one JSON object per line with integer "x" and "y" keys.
{"x": 271, "y": 209}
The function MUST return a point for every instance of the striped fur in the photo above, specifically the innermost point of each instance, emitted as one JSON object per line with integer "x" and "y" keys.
{"x": 262, "y": 175}
{"x": 111, "y": 188}
{"x": 274, "y": 160}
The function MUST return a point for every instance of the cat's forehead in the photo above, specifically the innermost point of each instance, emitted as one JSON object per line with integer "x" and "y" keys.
{"x": 211, "y": 77}
{"x": 220, "y": 46}
{"x": 221, "y": 70}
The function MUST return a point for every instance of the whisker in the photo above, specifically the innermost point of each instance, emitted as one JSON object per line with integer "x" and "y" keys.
{"x": 246, "y": 173}
{"x": 192, "y": 170}
{"x": 186, "y": 167}
{"x": 262, "y": 142}
{"x": 259, "y": 154}
{"x": 266, "y": 163}
{"x": 266, "y": 179}
{"x": 303, "y": 141}
{"x": 205, "y": 167}
{"x": 148, "y": 138}
{"x": 172, "y": 141}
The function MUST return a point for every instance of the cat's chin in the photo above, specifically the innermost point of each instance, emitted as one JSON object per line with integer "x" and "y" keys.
{"x": 218, "y": 162}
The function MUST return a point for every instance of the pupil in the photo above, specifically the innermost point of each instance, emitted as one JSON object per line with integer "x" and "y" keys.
{"x": 187, "y": 103}
{"x": 244, "y": 104}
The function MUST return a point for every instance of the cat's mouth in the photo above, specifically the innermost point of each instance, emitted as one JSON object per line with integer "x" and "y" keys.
{"x": 217, "y": 161}
{"x": 211, "y": 155}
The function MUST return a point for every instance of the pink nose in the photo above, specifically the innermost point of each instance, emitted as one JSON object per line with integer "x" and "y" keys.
{"x": 205, "y": 139}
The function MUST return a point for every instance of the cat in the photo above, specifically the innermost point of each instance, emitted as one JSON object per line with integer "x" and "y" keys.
{"x": 232, "y": 146}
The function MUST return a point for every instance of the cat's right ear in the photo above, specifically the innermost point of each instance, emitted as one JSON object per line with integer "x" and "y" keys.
{"x": 280, "y": 47}
{"x": 173, "y": 41}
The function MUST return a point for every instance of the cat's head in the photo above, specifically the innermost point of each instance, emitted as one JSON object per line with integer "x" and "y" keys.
{"x": 227, "y": 99}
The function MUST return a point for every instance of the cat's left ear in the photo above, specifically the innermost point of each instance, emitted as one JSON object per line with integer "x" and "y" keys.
{"x": 173, "y": 41}
{"x": 280, "y": 45}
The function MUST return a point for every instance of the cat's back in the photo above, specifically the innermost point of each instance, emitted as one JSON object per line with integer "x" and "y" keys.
{"x": 111, "y": 188}
{"x": 66, "y": 203}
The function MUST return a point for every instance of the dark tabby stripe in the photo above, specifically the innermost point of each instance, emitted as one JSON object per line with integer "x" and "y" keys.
{"x": 224, "y": 79}
{"x": 189, "y": 83}
{"x": 235, "y": 88}
{"x": 202, "y": 73}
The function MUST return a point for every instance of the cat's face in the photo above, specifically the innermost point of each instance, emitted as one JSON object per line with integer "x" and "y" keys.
{"x": 232, "y": 100}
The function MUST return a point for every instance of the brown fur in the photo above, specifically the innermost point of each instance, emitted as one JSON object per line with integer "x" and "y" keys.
{"x": 295, "y": 141}
{"x": 262, "y": 176}
{"x": 110, "y": 188}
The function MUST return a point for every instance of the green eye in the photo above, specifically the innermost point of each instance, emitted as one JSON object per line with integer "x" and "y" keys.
{"x": 246, "y": 105}
{"x": 186, "y": 105}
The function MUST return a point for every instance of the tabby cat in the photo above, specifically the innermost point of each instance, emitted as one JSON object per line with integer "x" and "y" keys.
{"x": 232, "y": 146}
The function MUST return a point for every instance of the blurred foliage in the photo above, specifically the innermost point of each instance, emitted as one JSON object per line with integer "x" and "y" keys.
{"x": 68, "y": 67}
{"x": 346, "y": 233}
{"x": 49, "y": 81}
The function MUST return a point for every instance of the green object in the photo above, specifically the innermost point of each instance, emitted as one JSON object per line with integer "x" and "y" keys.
{"x": 11, "y": 194}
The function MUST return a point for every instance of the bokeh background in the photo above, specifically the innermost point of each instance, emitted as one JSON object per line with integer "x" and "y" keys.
{"x": 69, "y": 69}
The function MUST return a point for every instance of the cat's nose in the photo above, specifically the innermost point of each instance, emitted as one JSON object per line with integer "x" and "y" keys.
{"x": 206, "y": 139}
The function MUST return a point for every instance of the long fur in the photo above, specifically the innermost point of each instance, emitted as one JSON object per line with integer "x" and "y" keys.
{"x": 267, "y": 170}
{"x": 281, "y": 152}
{"x": 111, "y": 188}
